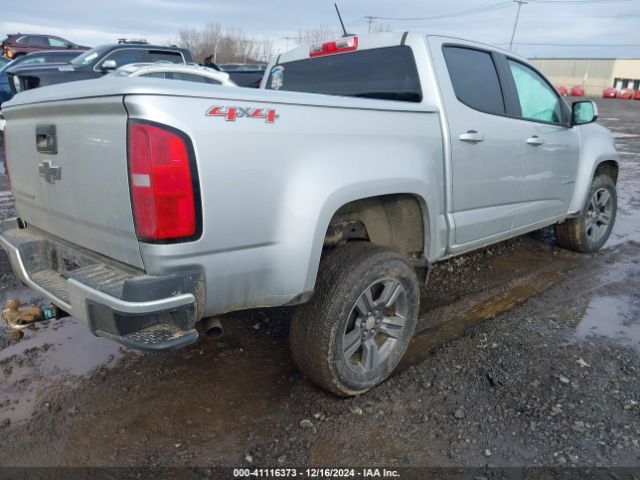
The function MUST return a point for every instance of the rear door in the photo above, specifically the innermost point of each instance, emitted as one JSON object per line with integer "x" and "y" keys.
{"x": 486, "y": 145}
{"x": 551, "y": 148}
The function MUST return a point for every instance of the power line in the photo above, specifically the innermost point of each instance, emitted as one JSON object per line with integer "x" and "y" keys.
{"x": 578, "y": 2}
{"x": 488, "y": 8}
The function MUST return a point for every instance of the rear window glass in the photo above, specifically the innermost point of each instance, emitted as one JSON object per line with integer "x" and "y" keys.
{"x": 383, "y": 73}
{"x": 164, "y": 56}
{"x": 475, "y": 79}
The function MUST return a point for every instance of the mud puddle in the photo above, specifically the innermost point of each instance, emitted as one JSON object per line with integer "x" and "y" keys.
{"x": 617, "y": 318}
{"x": 52, "y": 353}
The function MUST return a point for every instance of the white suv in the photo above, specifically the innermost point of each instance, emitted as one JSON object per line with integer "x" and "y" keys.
{"x": 174, "y": 71}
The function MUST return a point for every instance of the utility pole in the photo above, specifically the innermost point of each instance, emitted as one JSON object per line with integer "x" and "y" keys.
{"x": 515, "y": 24}
{"x": 287, "y": 39}
{"x": 370, "y": 19}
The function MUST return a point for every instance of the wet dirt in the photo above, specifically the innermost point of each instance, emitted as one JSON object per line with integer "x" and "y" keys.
{"x": 524, "y": 350}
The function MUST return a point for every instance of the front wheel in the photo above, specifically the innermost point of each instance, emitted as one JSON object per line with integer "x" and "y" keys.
{"x": 590, "y": 231}
{"x": 358, "y": 324}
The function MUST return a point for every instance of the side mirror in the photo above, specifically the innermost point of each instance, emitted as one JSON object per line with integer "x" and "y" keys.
{"x": 583, "y": 112}
{"x": 108, "y": 65}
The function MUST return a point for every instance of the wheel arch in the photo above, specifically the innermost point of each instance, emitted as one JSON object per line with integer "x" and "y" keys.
{"x": 381, "y": 212}
{"x": 608, "y": 167}
{"x": 604, "y": 163}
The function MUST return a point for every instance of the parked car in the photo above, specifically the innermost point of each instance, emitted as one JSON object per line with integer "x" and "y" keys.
{"x": 147, "y": 208}
{"x": 244, "y": 75}
{"x": 637, "y": 95}
{"x": 97, "y": 62}
{"x": 22, "y": 64}
{"x": 562, "y": 90}
{"x": 610, "y": 92}
{"x": 626, "y": 94}
{"x": 577, "y": 91}
{"x": 17, "y": 44}
{"x": 174, "y": 71}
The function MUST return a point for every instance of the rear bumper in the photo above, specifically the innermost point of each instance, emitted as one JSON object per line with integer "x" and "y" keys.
{"x": 117, "y": 302}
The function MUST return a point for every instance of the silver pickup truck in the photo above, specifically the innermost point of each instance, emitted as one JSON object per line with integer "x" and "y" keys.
{"x": 147, "y": 206}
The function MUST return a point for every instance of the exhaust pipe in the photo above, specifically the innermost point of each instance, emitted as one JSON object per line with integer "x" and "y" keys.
{"x": 212, "y": 328}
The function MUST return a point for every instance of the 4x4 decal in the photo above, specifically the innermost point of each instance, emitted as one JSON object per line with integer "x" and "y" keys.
{"x": 230, "y": 114}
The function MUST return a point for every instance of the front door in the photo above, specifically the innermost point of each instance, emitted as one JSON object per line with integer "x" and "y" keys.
{"x": 551, "y": 148}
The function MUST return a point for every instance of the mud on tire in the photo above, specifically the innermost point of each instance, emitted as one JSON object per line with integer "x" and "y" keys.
{"x": 353, "y": 332}
{"x": 588, "y": 232}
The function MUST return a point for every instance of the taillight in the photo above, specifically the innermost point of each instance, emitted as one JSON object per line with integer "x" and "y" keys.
{"x": 346, "y": 44}
{"x": 8, "y": 53}
{"x": 164, "y": 183}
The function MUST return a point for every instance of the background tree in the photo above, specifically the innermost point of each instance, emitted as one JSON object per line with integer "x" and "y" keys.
{"x": 317, "y": 34}
{"x": 224, "y": 45}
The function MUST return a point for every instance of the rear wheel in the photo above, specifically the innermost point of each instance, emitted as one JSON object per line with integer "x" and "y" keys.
{"x": 353, "y": 332}
{"x": 590, "y": 231}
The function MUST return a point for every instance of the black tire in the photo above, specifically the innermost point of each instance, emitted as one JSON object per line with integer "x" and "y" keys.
{"x": 321, "y": 328}
{"x": 577, "y": 233}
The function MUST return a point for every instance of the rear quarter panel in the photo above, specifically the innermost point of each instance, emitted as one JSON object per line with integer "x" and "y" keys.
{"x": 269, "y": 190}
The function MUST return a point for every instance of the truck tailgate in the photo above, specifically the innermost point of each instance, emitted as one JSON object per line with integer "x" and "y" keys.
{"x": 68, "y": 168}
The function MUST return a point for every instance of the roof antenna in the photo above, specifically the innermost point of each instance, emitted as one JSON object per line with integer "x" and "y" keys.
{"x": 341, "y": 22}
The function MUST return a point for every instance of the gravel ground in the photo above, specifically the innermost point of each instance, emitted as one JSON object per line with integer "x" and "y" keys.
{"x": 527, "y": 355}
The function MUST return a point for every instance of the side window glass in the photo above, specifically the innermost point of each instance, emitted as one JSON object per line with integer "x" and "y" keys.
{"x": 475, "y": 79}
{"x": 538, "y": 101}
{"x": 56, "y": 42}
{"x": 37, "y": 40}
{"x": 155, "y": 75}
{"x": 188, "y": 77}
{"x": 33, "y": 60}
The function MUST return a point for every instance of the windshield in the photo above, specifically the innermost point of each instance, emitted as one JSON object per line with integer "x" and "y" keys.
{"x": 87, "y": 57}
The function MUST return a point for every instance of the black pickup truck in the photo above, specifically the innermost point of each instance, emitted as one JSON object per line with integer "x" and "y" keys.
{"x": 96, "y": 62}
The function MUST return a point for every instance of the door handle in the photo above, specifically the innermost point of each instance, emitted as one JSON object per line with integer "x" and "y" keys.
{"x": 535, "y": 140}
{"x": 471, "y": 136}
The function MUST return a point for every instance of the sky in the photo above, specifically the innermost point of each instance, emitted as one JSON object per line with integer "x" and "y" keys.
{"x": 608, "y": 27}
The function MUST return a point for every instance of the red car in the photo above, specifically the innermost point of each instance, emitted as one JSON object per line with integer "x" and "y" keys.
{"x": 637, "y": 95}
{"x": 610, "y": 92}
{"x": 562, "y": 90}
{"x": 17, "y": 44}
{"x": 577, "y": 91}
{"x": 625, "y": 94}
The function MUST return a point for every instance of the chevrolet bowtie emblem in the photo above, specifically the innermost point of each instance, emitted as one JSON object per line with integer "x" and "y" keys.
{"x": 49, "y": 172}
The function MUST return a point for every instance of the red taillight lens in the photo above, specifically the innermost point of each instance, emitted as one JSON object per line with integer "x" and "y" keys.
{"x": 337, "y": 46}
{"x": 164, "y": 189}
